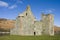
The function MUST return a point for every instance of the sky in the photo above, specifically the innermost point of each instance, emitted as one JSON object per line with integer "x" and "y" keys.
{"x": 10, "y": 9}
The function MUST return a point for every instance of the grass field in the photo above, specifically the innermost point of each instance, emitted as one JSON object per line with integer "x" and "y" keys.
{"x": 16, "y": 37}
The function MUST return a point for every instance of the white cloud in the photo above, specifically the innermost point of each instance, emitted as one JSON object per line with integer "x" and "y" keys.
{"x": 3, "y": 4}
{"x": 47, "y": 11}
{"x": 19, "y": 1}
{"x": 50, "y": 10}
{"x": 12, "y": 7}
{"x": 42, "y": 11}
{"x": 15, "y": 5}
{"x": 53, "y": 9}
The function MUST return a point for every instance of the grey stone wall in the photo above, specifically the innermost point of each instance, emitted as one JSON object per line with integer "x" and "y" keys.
{"x": 27, "y": 25}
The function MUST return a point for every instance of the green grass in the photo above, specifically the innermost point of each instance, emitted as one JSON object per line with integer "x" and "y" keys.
{"x": 17, "y": 37}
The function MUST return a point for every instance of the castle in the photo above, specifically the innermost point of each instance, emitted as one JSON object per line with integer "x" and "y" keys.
{"x": 26, "y": 24}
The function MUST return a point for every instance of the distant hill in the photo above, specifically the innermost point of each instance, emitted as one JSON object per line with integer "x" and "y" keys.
{"x": 56, "y": 28}
{"x": 6, "y": 24}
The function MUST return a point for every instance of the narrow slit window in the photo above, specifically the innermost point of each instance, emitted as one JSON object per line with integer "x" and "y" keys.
{"x": 26, "y": 14}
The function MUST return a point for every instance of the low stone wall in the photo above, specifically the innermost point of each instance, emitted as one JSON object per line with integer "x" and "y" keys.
{"x": 4, "y": 33}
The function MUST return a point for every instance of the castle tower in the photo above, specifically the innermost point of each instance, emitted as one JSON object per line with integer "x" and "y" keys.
{"x": 51, "y": 24}
{"x": 47, "y": 24}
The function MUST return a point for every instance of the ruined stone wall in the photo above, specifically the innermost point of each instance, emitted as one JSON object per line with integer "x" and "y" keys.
{"x": 38, "y": 27}
{"x": 51, "y": 24}
{"x": 27, "y": 25}
{"x": 47, "y": 26}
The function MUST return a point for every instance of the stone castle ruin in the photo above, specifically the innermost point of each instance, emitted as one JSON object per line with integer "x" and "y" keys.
{"x": 26, "y": 24}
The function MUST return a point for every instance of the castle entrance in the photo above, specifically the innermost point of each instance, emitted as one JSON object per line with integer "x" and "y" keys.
{"x": 34, "y": 33}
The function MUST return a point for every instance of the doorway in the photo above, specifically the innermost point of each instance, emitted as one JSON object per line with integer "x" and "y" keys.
{"x": 34, "y": 33}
